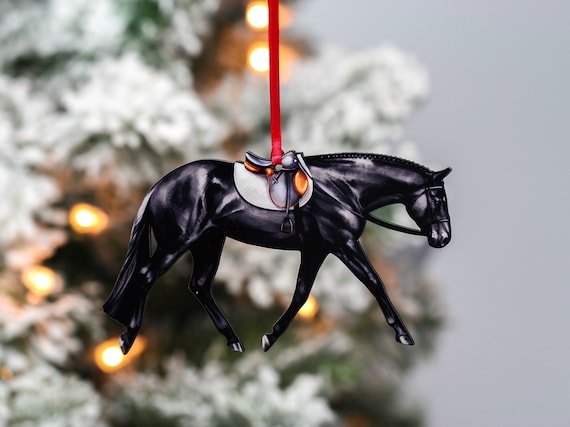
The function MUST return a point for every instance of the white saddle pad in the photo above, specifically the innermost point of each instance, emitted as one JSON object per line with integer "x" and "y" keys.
{"x": 253, "y": 188}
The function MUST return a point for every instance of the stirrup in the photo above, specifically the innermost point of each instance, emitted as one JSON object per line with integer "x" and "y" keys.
{"x": 287, "y": 226}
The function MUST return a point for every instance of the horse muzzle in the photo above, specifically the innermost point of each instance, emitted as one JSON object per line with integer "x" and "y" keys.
{"x": 440, "y": 234}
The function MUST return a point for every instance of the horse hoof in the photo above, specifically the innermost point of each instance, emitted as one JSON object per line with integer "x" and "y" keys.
{"x": 125, "y": 342}
{"x": 265, "y": 342}
{"x": 405, "y": 339}
{"x": 237, "y": 347}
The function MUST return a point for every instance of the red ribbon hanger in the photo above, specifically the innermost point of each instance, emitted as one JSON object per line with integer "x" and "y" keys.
{"x": 274, "y": 83}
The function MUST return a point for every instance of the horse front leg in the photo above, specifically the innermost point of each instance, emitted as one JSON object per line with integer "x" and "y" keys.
{"x": 311, "y": 261}
{"x": 353, "y": 256}
{"x": 206, "y": 254}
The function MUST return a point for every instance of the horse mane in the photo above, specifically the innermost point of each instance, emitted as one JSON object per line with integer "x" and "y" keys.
{"x": 380, "y": 157}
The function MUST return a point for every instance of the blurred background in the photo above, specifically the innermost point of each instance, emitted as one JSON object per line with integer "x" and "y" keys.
{"x": 100, "y": 99}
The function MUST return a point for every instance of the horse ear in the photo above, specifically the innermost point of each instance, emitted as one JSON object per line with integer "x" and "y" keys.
{"x": 438, "y": 176}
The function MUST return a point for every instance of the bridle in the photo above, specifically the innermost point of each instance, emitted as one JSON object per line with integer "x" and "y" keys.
{"x": 435, "y": 219}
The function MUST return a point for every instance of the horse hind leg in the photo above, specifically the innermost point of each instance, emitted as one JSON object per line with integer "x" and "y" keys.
{"x": 206, "y": 253}
{"x": 160, "y": 261}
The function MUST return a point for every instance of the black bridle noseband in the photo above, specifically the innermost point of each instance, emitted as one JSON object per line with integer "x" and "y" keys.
{"x": 407, "y": 230}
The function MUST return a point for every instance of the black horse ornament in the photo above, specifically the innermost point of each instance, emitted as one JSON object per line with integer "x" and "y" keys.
{"x": 326, "y": 201}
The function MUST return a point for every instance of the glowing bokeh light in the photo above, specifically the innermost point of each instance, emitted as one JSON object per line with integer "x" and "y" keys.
{"x": 39, "y": 280}
{"x": 112, "y": 356}
{"x": 88, "y": 219}
{"x": 257, "y": 15}
{"x": 309, "y": 309}
{"x": 258, "y": 58}
{"x": 109, "y": 357}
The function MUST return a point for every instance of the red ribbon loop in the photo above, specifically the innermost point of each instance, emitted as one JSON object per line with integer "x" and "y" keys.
{"x": 274, "y": 100}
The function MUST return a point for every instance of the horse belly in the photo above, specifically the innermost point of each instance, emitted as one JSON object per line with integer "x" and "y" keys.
{"x": 260, "y": 230}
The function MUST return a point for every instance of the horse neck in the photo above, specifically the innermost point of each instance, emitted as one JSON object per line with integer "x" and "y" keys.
{"x": 372, "y": 181}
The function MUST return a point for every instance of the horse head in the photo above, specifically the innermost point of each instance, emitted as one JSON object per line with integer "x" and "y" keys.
{"x": 428, "y": 208}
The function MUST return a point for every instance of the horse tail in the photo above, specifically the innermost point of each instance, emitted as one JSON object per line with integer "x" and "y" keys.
{"x": 126, "y": 302}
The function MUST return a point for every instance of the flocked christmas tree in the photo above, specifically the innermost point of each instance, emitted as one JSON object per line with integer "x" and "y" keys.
{"x": 100, "y": 99}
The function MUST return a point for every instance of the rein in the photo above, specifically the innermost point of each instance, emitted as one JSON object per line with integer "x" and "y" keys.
{"x": 393, "y": 226}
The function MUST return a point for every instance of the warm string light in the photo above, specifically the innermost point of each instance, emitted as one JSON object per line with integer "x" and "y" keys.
{"x": 258, "y": 59}
{"x": 87, "y": 219}
{"x": 309, "y": 309}
{"x": 257, "y": 15}
{"x": 39, "y": 280}
{"x": 112, "y": 357}
{"x": 6, "y": 374}
{"x": 257, "y": 18}
{"x": 109, "y": 357}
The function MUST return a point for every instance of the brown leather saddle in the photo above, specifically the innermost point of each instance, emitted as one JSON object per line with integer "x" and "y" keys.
{"x": 287, "y": 182}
